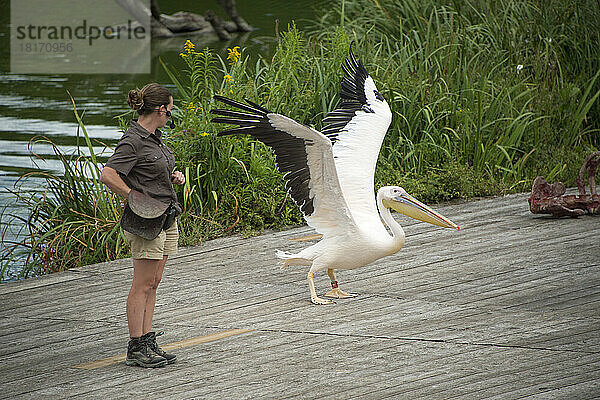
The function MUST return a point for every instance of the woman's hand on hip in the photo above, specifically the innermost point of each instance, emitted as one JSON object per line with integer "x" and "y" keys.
{"x": 177, "y": 178}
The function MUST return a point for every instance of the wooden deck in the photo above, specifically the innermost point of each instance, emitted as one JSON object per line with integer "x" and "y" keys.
{"x": 506, "y": 308}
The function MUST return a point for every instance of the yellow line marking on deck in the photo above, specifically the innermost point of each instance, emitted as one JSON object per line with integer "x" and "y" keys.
{"x": 171, "y": 346}
{"x": 307, "y": 238}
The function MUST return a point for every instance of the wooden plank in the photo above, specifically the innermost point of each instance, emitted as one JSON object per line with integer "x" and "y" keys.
{"x": 587, "y": 390}
{"x": 494, "y": 308}
{"x": 263, "y": 369}
{"x": 226, "y": 359}
{"x": 38, "y": 282}
{"x": 530, "y": 384}
{"x": 111, "y": 373}
{"x": 464, "y": 373}
{"x": 168, "y": 347}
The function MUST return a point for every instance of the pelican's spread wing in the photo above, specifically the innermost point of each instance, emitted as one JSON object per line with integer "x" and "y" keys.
{"x": 304, "y": 155}
{"x": 356, "y": 129}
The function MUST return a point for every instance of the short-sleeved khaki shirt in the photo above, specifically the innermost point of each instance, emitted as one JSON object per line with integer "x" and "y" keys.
{"x": 145, "y": 163}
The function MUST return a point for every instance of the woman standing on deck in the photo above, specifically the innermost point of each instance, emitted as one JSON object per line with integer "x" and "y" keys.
{"x": 143, "y": 163}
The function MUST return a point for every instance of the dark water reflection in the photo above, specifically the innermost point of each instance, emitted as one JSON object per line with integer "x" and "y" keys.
{"x": 32, "y": 105}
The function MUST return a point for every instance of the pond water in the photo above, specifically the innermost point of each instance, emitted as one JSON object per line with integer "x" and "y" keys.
{"x": 32, "y": 105}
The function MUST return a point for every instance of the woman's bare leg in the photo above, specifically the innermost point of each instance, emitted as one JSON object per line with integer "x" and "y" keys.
{"x": 151, "y": 299}
{"x": 144, "y": 276}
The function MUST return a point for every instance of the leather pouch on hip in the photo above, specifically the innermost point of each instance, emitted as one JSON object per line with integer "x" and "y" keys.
{"x": 171, "y": 215}
{"x": 143, "y": 215}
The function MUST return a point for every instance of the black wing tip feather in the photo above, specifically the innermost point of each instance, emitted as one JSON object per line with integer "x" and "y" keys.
{"x": 250, "y": 106}
{"x": 252, "y": 116}
{"x": 352, "y": 96}
{"x": 290, "y": 152}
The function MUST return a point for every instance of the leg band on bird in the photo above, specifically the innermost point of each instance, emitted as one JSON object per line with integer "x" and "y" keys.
{"x": 335, "y": 291}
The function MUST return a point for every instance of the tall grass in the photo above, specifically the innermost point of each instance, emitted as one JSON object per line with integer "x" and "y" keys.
{"x": 485, "y": 96}
{"x": 231, "y": 184}
{"x": 501, "y": 87}
{"x": 73, "y": 221}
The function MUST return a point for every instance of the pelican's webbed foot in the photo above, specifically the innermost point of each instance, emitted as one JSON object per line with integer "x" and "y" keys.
{"x": 319, "y": 301}
{"x": 338, "y": 293}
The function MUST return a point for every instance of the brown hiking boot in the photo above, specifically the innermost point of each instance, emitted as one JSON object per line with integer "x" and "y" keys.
{"x": 140, "y": 354}
{"x": 150, "y": 338}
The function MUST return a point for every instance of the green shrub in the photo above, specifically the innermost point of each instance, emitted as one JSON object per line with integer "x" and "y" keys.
{"x": 492, "y": 86}
{"x": 485, "y": 96}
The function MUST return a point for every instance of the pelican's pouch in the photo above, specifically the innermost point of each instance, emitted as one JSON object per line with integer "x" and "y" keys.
{"x": 144, "y": 216}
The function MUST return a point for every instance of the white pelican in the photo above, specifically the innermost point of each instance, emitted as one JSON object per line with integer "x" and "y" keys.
{"x": 329, "y": 175}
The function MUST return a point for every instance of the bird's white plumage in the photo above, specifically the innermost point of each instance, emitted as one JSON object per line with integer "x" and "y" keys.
{"x": 331, "y": 213}
{"x": 355, "y": 153}
{"x": 342, "y": 182}
{"x": 330, "y": 175}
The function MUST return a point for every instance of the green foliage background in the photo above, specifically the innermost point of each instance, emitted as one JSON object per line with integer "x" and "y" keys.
{"x": 485, "y": 97}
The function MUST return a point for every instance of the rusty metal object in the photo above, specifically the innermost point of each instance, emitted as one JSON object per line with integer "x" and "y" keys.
{"x": 551, "y": 198}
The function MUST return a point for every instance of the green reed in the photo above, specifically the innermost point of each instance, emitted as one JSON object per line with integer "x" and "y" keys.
{"x": 73, "y": 221}
{"x": 231, "y": 183}
{"x": 485, "y": 96}
{"x": 497, "y": 87}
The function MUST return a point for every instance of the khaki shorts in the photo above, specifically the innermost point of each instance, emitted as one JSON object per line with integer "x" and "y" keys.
{"x": 165, "y": 244}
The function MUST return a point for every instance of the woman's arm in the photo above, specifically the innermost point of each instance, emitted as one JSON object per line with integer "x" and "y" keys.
{"x": 110, "y": 177}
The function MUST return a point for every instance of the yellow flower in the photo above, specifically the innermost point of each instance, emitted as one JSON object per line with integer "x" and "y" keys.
{"x": 189, "y": 46}
{"x": 190, "y": 106}
{"x": 234, "y": 54}
{"x": 228, "y": 78}
{"x": 204, "y": 134}
{"x": 183, "y": 55}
